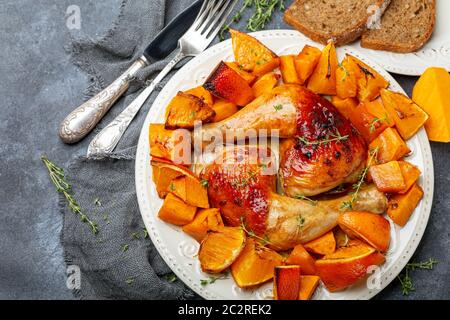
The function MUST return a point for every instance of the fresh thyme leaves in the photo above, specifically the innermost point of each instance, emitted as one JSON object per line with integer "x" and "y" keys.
{"x": 171, "y": 277}
{"x": 211, "y": 280}
{"x": 405, "y": 278}
{"x": 264, "y": 240}
{"x": 145, "y": 233}
{"x": 204, "y": 183}
{"x": 262, "y": 13}
{"x": 129, "y": 281}
{"x": 347, "y": 74}
{"x": 136, "y": 235}
{"x": 311, "y": 201}
{"x": 375, "y": 121}
{"x": 171, "y": 187}
{"x": 97, "y": 202}
{"x": 105, "y": 218}
{"x": 278, "y": 107}
{"x": 125, "y": 248}
{"x": 300, "y": 221}
{"x": 325, "y": 141}
{"x": 348, "y": 205}
{"x": 62, "y": 186}
{"x": 242, "y": 182}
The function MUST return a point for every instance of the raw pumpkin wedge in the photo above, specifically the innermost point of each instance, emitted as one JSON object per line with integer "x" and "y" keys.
{"x": 323, "y": 245}
{"x": 288, "y": 71}
{"x": 407, "y": 115}
{"x": 205, "y": 220}
{"x": 163, "y": 174}
{"x": 389, "y": 146}
{"x": 224, "y": 109}
{"x": 306, "y": 62}
{"x": 410, "y": 174}
{"x": 345, "y": 106}
{"x": 286, "y": 283}
{"x": 346, "y": 80}
{"x": 388, "y": 177}
{"x": 323, "y": 79}
{"x": 220, "y": 248}
{"x": 300, "y": 257}
{"x": 308, "y": 285}
{"x": 203, "y": 94}
{"x": 175, "y": 211}
{"x": 191, "y": 190}
{"x": 370, "y": 227}
{"x": 255, "y": 265}
{"x": 251, "y": 55}
{"x": 250, "y": 78}
{"x": 265, "y": 83}
{"x": 401, "y": 206}
{"x": 185, "y": 109}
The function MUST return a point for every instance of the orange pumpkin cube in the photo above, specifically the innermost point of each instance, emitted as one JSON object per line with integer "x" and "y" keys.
{"x": 163, "y": 174}
{"x": 308, "y": 285}
{"x": 203, "y": 94}
{"x": 306, "y": 62}
{"x": 389, "y": 146}
{"x": 205, "y": 220}
{"x": 300, "y": 257}
{"x": 367, "y": 124}
{"x": 410, "y": 174}
{"x": 345, "y": 106}
{"x": 286, "y": 283}
{"x": 288, "y": 71}
{"x": 401, "y": 206}
{"x": 175, "y": 211}
{"x": 323, "y": 79}
{"x": 224, "y": 109}
{"x": 323, "y": 245}
{"x": 346, "y": 80}
{"x": 265, "y": 83}
{"x": 250, "y": 78}
{"x": 165, "y": 143}
{"x": 388, "y": 177}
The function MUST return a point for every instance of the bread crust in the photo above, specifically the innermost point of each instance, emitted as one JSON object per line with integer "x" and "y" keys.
{"x": 342, "y": 38}
{"x": 397, "y": 47}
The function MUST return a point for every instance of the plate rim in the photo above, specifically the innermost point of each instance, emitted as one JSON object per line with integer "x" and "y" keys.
{"x": 142, "y": 155}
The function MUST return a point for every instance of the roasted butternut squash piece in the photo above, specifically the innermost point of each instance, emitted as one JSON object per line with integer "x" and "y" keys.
{"x": 342, "y": 239}
{"x": 323, "y": 79}
{"x": 367, "y": 124}
{"x": 185, "y": 109}
{"x": 175, "y": 211}
{"x": 288, "y": 71}
{"x": 306, "y": 62}
{"x": 308, "y": 285}
{"x": 377, "y": 109}
{"x": 203, "y": 94}
{"x": 345, "y": 106}
{"x": 173, "y": 145}
{"x": 250, "y": 78}
{"x": 389, "y": 146}
{"x": 323, "y": 245}
{"x": 410, "y": 174}
{"x": 401, "y": 206}
{"x": 346, "y": 80}
{"x": 227, "y": 84}
{"x": 255, "y": 265}
{"x": 205, "y": 220}
{"x": 286, "y": 283}
{"x": 163, "y": 174}
{"x": 224, "y": 109}
{"x": 300, "y": 257}
{"x": 407, "y": 115}
{"x": 251, "y": 54}
{"x": 431, "y": 94}
{"x": 265, "y": 83}
{"x": 190, "y": 190}
{"x": 369, "y": 81}
{"x": 220, "y": 248}
{"x": 388, "y": 177}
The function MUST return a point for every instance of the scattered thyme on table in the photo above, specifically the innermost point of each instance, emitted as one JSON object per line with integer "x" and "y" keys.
{"x": 405, "y": 278}
{"x": 58, "y": 178}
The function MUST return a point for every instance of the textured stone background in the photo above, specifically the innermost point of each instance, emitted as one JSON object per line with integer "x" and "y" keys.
{"x": 39, "y": 86}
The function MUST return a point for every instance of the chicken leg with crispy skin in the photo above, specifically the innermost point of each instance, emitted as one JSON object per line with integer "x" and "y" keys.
{"x": 245, "y": 191}
{"x": 324, "y": 149}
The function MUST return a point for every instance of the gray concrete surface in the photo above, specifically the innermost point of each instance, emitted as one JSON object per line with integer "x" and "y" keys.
{"x": 38, "y": 87}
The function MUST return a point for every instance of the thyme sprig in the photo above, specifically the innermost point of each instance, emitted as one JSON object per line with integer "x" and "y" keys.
{"x": 405, "y": 278}
{"x": 375, "y": 121}
{"x": 311, "y": 201}
{"x": 348, "y": 205}
{"x": 328, "y": 139}
{"x": 58, "y": 178}
{"x": 211, "y": 280}
{"x": 264, "y": 241}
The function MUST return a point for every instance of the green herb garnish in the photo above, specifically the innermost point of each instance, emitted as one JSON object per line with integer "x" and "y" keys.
{"x": 278, "y": 107}
{"x": 129, "y": 281}
{"x": 211, "y": 280}
{"x": 311, "y": 201}
{"x": 125, "y": 248}
{"x": 328, "y": 139}
{"x": 375, "y": 121}
{"x": 405, "y": 278}
{"x": 171, "y": 277}
{"x": 204, "y": 183}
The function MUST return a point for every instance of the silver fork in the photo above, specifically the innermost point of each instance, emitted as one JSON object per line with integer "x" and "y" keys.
{"x": 211, "y": 18}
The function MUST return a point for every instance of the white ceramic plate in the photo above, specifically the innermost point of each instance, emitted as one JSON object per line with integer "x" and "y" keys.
{"x": 179, "y": 250}
{"x": 436, "y": 53}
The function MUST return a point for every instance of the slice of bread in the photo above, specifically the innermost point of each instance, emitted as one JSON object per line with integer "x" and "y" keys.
{"x": 342, "y": 21}
{"x": 405, "y": 27}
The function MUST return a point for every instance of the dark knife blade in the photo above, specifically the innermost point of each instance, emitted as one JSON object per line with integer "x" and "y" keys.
{"x": 166, "y": 41}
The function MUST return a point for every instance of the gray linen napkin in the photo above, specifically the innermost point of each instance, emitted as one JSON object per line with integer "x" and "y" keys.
{"x": 107, "y": 272}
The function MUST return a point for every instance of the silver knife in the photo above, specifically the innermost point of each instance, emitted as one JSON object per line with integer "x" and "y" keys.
{"x": 84, "y": 118}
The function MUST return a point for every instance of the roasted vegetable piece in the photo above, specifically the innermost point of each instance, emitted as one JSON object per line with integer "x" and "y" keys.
{"x": 190, "y": 190}
{"x": 367, "y": 124}
{"x": 323, "y": 245}
{"x": 203, "y": 94}
{"x": 252, "y": 55}
{"x": 224, "y": 109}
{"x": 401, "y": 206}
{"x": 220, "y": 248}
{"x": 185, "y": 109}
{"x": 205, "y": 220}
{"x": 390, "y": 146}
{"x": 300, "y": 257}
{"x": 347, "y": 265}
{"x": 163, "y": 174}
{"x": 255, "y": 265}
{"x": 306, "y": 62}
{"x": 410, "y": 174}
{"x": 175, "y": 211}
{"x": 287, "y": 67}
{"x": 323, "y": 79}
{"x": 369, "y": 81}
{"x": 377, "y": 109}
{"x": 342, "y": 239}
{"x": 308, "y": 285}
{"x": 370, "y": 227}
{"x": 407, "y": 115}
{"x": 265, "y": 84}
{"x": 250, "y": 78}
{"x": 286, "y": 283}
{"x": 227, "y": 84}
{"x": 345, "y": 106}
{"x": 165, "y": 143}
{"x": 346, "y": 79}
{"x": 388, "y": 177}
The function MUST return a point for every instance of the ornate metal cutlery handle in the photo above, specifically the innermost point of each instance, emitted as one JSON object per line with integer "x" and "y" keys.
{"x": 107, "y": 139}
{"x": 84, "y": 118}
